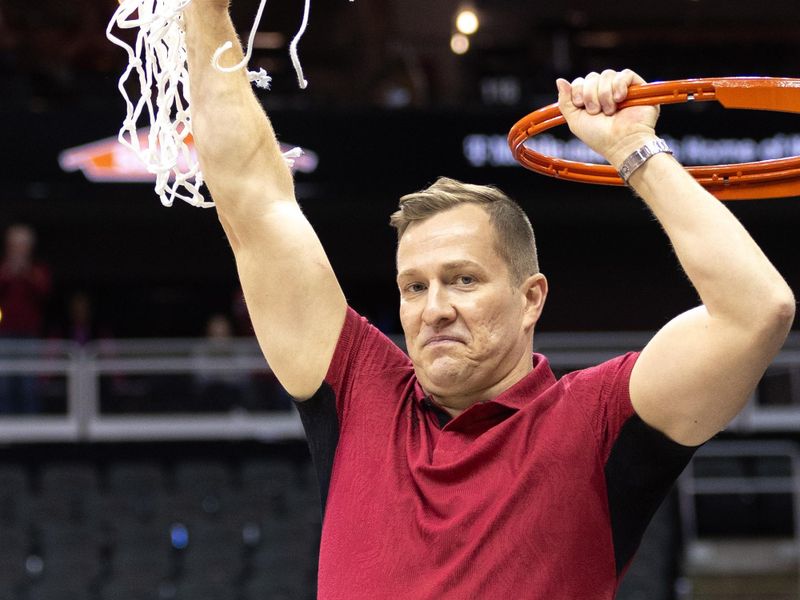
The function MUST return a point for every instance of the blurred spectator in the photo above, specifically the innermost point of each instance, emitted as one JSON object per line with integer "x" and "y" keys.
{"x": 77, "y": 325}
{"x": 25, "y": 285}
{"x": 81, "y": 324}
{"x": 264, "y": 392}
{"x": 224, "y": 390}
{"x": 79, "y": 318}
{"x": 218, "y": 390}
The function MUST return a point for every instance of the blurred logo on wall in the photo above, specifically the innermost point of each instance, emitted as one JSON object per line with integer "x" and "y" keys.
{"x": 107, "y": 160}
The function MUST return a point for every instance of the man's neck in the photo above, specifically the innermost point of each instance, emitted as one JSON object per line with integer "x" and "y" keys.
{"x": 457, "y": 404}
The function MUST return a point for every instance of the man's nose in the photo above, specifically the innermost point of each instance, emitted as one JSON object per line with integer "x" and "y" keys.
{"x": 439, "y": 308}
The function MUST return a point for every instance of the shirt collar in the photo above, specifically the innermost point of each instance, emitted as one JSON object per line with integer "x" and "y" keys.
{"x": 521, "y": 393}
{"x": 529, "y": 387}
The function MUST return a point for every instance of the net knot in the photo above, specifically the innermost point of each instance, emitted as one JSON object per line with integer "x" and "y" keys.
{"x": 291, "y": 155}
{"x": 260, "y": 78}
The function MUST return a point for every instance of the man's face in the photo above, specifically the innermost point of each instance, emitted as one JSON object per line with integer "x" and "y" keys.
{"x": 467, "y": 328}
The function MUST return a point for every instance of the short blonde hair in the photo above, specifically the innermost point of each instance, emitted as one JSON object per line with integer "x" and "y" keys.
{"x": 514, "y": 239}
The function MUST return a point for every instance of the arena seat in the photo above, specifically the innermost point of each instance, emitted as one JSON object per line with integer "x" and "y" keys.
{"x": 14, "y": 492}
{"x": 14, "y": 550}
{"x": 95, "y": 524}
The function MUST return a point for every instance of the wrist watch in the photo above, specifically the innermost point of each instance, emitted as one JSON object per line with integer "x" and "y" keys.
{"x": 638, "y": 157}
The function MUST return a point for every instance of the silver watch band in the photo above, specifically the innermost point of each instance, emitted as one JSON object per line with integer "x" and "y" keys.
{"x": 638, "y": 157}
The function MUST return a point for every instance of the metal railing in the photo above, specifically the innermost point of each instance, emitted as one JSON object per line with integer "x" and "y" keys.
{"x": 750, "y": 491}
{"x": 180, "y": 389}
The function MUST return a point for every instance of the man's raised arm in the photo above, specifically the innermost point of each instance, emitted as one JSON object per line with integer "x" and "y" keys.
{"x": 700, "y": 369}
{"x": 295, "y": 302}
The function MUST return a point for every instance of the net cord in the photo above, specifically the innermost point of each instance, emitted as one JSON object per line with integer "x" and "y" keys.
{"x": 293, "y": 47}
{"x": 158, "y": 60}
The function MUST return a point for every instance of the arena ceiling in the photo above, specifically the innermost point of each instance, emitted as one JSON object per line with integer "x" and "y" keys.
{"x": 396, "y": 53}
{"x": 387, "y": 109}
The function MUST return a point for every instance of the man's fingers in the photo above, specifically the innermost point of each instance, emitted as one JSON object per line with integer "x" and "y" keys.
{"x": 620, "y": 86}
{"x": 590, "y": 99}
{"x": 577, "y": 92}
{"x": 605, "y": 92}
{"x": 597, "y": 93}
{"x": 622, "y": 81}
{"x": 565, "y": 97}
{"x": 564, "y": 88}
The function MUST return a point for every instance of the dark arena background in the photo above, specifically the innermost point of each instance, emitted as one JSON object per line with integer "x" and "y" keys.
{"x": 145, "y": 449}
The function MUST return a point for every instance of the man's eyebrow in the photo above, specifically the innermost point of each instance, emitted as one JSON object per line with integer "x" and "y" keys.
{"x": 461, "y": 264}
{"x": 449, "y": 266}
{"x": 407, "y": 273}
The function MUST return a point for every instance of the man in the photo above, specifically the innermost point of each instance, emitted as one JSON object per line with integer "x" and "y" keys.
{"x": 25, "y": 285}
{"x": 468, "y": 471}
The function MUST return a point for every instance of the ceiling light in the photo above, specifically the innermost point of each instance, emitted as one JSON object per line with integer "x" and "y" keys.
{"x": 467, "y": 22}
{"x": 459, "y": 43}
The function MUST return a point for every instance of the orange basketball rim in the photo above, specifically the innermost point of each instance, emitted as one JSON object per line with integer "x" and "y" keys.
{"x": 763, "y": 179}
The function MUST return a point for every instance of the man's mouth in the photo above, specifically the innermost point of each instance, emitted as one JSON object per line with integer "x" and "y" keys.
{"x": 437, "y": 340}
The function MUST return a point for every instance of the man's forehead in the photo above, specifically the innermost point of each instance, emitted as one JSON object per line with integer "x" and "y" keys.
{"x": 453, "y": 237}
{"x": 468, "y": 220}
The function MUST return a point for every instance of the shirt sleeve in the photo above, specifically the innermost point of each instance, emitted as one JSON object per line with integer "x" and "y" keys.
{"x": 603, "y": 395}
{"x": 640, "y": 463}
{"x": 363, "y": 354}
{"x": 362, "y": 360}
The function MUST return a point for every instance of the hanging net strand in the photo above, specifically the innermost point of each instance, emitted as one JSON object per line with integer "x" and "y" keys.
{"x": 260, "y": 77}
{"x": 157, "y": 59}
{"x": 301, "y": 80}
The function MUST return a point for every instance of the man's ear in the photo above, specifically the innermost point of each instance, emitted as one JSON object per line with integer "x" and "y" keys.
{"x": 534, "y": 289}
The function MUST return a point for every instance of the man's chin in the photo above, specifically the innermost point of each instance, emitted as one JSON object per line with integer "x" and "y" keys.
{"x": 447, "y": 382}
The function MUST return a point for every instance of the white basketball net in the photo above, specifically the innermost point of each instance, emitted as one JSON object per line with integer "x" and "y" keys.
{"x": 158, "y": 58}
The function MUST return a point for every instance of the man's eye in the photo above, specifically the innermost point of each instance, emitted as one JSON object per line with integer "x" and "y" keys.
{"x": 465, "y": 280}
{"x": 415, "y": 288}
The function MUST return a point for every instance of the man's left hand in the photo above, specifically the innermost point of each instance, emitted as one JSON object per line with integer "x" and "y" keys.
{"x": 589, "y": 104}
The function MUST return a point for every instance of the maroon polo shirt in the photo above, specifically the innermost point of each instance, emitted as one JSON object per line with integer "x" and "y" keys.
{"x": 543, "y": 492}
